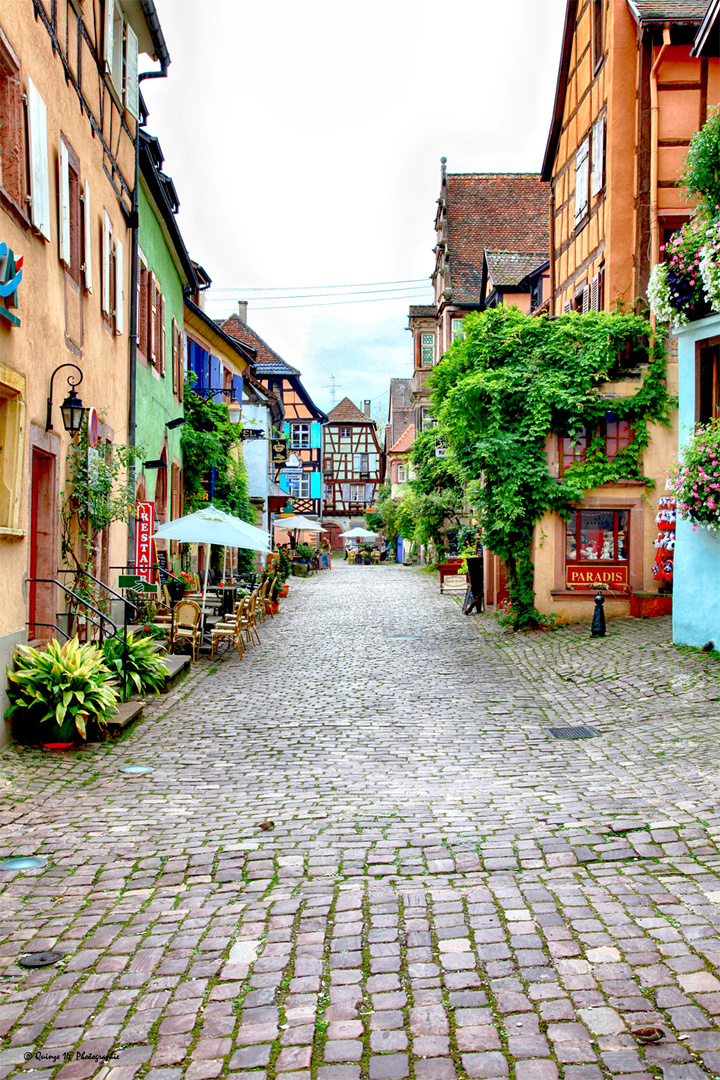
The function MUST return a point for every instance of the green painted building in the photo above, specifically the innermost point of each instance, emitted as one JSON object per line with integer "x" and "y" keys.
{"x": 164, "y": 272}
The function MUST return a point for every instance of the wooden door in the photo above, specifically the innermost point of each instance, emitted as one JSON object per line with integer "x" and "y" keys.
{"x": 43, "y": 547}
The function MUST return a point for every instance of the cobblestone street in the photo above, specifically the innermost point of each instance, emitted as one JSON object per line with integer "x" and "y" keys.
{"x": 360, "y": 855}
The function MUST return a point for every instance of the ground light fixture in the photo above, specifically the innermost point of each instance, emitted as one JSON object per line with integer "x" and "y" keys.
{"x": 72, "y": 408}
{"x": 23, "y": 862}
{"x": 135, "y": 770}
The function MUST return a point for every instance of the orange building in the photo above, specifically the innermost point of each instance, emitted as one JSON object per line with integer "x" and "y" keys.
{"x": 630, "y": 94}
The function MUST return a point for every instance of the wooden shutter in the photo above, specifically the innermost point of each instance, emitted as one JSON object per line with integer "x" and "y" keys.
{"x": 581, "y": 180}
{"x": 598, "y": 155}
{"x": 369, "y": 493}
{"x": 39, "y": 163}
{"x": 87, "y": 238}
{"x": 107, "y": 259}
{"x": 108, "y": 41}
{"x": 161, "y": 332}
{"x": 143, "y": 309}
{"x": 75, "y": 222}
{"x": 175, "y": 357}
{"x": 132, "y": 96}
{"x": 567, "y": 307}
{"x": 182, "y": 363}
{"x": 64, "y": 203}
{"x": 119, "y": 289}
{"x": 595, "y": 293}
{"x": 152, "y": 318}
{"x": 585, "y": 299}
{"x": 345, "y": 488}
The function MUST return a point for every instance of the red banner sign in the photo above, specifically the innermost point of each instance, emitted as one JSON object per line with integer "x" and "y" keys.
{"x": 144, "y": 528}
{"x": 590, "y": 577}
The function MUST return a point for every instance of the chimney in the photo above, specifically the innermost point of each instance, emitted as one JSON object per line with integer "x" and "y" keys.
{"x": 242, "y": 310}
{"x": 366, "y": 408}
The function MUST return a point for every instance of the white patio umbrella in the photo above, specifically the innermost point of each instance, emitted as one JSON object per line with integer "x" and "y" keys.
{"x": 214, "y": 526}
{"x": 360, "y": 534}
{"x": 300, "y": 523}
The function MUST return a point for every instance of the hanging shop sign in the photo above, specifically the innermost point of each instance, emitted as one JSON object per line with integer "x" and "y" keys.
{"x": 279, "y": 450}
{"x": 10, "y": 278}
{"x": 144, "y": 528}
{"x": 594, "y": 577}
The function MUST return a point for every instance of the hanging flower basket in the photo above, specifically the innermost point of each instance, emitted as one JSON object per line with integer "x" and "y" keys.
{"x": 686, "y": 287}
{"x": 695, "y": 479}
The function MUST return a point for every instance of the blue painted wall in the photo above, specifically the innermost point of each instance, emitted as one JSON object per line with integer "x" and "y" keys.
{"x": 696, "y": 578}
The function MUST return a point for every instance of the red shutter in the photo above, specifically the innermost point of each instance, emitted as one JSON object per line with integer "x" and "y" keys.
{"x": 175, "y": 372}
{"x": 161, "y": 331}
{"x": 152, "y": 318}
{"x": 142, "y": 309}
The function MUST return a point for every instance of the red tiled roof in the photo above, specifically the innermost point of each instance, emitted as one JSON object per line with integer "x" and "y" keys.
{"x": 680, "y": 10}
{"x": 405, "y": 441}
{"x": 501, "y": 211}
{"x": 348, "y": 413}
{"x": 402, "y": 418}
{"x": 511, "y": 267}
{"x": 268, "y": 362}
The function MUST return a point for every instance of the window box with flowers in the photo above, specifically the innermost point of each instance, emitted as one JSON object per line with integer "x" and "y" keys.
{"x": 686, "y": 285}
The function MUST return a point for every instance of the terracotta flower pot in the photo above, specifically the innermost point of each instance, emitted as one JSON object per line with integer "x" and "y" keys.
{"x": 284, "y": 591}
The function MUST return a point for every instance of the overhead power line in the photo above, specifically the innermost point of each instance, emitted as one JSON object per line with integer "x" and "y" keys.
{"x": 337, "y": 303}
{"x": 330, "y": 295}
{"x": 353, "y": 285}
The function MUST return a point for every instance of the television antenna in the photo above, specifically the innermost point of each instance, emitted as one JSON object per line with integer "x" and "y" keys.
{"x": 333, "y": 386}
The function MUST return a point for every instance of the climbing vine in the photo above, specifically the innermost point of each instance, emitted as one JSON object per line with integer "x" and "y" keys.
{"x": 99, "y": 490}
{"x": 213, "y": 466}
{"x": 514, "y": 380}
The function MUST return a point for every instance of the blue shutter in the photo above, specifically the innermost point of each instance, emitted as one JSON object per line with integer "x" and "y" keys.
{"x": 284, "y": 483}
{"x": 315, "y": 482}
{"x": 237, "y": 385}
{"x": 315, "y": 439}
{"x": 286, "y": 430}
{"x": 216, "y": 377}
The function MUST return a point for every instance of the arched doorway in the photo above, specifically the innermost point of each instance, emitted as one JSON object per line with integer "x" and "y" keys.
{"x": 332, "y": 531}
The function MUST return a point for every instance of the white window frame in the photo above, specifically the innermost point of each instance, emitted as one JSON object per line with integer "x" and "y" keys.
{"x": 427, "y": 348}
{"x": 357, "y": 493}
{"x": 402, "y": 474}
{"x": 456, "y": 330}
{"x": 302, "y": 491}
{"x": 582, "y": 180}
{"x": 598, "y": 156}
{"x": 427, "y": 420}
{"x": 345, "y": 433}
{"x": 300, "y": 437}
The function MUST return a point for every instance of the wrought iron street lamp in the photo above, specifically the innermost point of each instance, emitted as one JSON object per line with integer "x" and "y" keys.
{"x": 72, "y": 408}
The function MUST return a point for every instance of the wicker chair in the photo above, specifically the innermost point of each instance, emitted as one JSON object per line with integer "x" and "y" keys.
{"x": 188, "y": 625}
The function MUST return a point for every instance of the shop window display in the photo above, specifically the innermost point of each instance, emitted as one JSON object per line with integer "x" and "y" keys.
{"x": 596, "y": 536}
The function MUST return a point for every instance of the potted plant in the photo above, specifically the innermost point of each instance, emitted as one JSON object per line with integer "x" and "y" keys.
{"x": 188, "y": 580}
{"x": 695, "y": 479}
{"x": 136, "y": 664}
{"x": 367, "y": 554}
{"x": 54, "y": 692}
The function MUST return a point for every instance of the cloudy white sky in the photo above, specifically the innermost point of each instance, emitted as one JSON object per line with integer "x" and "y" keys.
{"x": 305, "y": 143}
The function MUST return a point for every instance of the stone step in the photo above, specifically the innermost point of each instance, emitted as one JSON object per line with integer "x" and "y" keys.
{"x": 178, "y": 667}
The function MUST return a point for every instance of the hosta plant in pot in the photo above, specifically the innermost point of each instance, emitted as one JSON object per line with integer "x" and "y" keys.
{"x": 136, "y": 664}
{"x": 695, "y": 479}
{"x": 55, "y": 691}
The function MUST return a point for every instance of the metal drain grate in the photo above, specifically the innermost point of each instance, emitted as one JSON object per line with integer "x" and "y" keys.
{"x": 572, "y": 732}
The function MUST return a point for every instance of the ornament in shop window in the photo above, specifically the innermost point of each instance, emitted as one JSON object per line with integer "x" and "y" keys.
{"x": 665, "y": 543}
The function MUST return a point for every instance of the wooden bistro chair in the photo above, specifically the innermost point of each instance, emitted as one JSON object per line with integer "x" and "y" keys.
{"x": 352, "y": 556}
{"x": 262, "y": 608}
{"x": 249, "y": 616}
{"x": 188, "y": 625}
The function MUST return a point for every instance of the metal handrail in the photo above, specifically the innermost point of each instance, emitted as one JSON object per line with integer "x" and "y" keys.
{"x": 86, "y": 603}
{"x": 54, "y": 626}
{"x": 102, "y": 584}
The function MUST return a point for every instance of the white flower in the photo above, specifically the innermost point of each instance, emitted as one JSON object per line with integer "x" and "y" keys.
{"x": 710, "y": 266}
{"x": 659, "y": 297}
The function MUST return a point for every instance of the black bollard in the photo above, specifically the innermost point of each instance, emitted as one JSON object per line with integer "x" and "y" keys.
{"x": 598, "y": 624}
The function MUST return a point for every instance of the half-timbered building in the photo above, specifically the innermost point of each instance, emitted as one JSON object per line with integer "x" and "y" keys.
{"x": 352, "y": 468}
{"x": 630, "y": 94}
{"x": 301, "y": 475}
